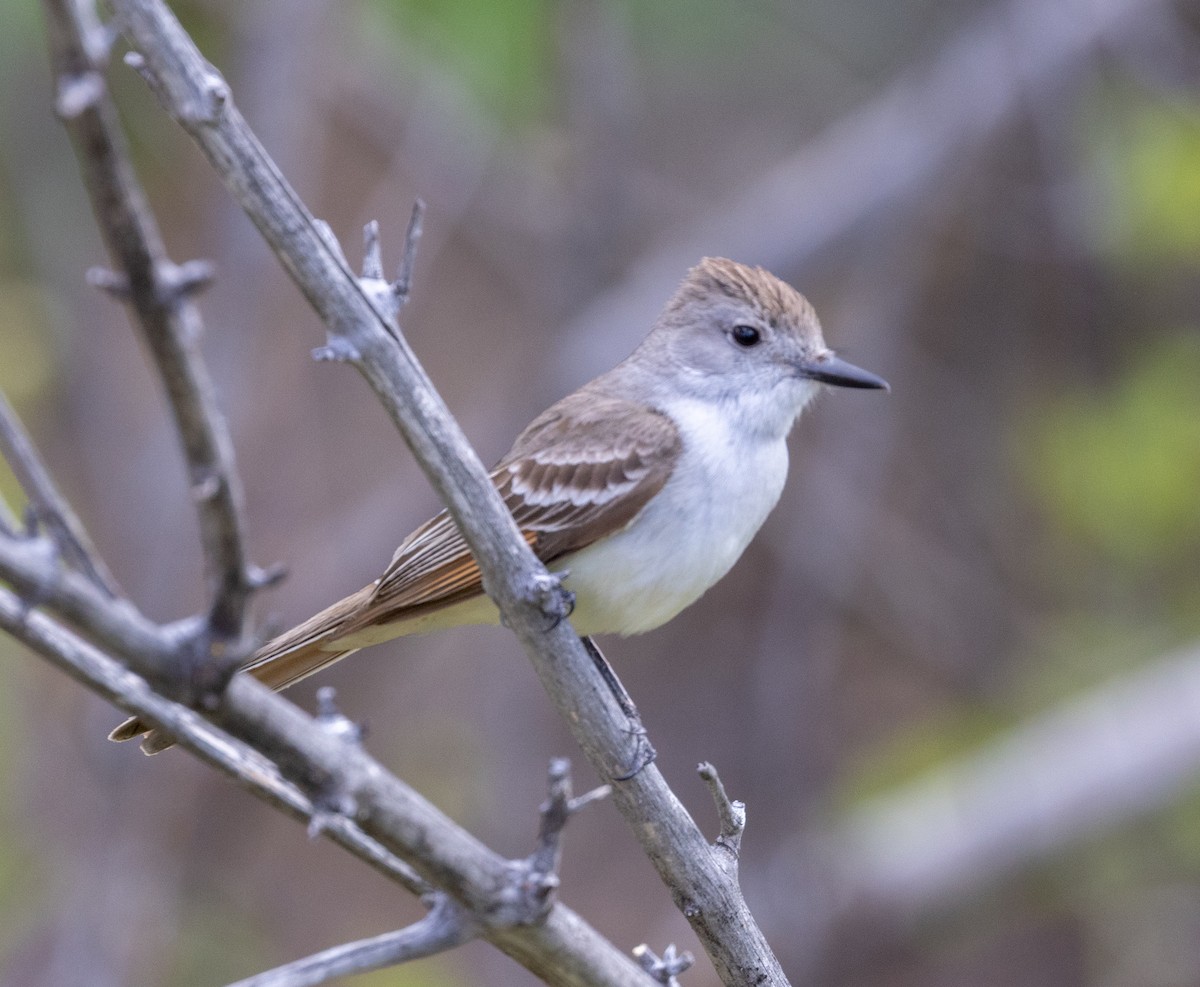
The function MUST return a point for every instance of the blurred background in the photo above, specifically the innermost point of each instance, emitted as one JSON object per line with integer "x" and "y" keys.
{"x": 957, "y": 676}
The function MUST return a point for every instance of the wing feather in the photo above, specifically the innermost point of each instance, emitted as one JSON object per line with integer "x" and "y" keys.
{"x": 582, "y": 470}
{"x": 577, "y": 474}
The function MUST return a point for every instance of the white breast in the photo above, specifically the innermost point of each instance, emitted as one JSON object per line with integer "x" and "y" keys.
{"x": 722, "y": 489}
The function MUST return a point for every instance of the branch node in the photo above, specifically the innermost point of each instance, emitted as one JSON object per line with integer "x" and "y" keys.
{"x": 546, "y": 592}
{"x": 206, "y": 488}
{"x": 333, "y": 721}
{"x": 208, "y": 105}
{"x": 383, "y": 298}
{"x": 731, "y": 812}
{"x": 667, "y": 968}
{"x": 530, "y": 890}
{"x": 327, "y": 812}
{"x": 581, "y": 802}
{"x": 177, "y": 282}
{"x": 337, "y": 349}
{"x": 207, "y": 662}
{"x": 258, "y": 578}
{"x": 372, "y": 265}
{"x": 110, "y": 282}
{"x": 77, "y": 93}
{"x": 137, "y": 61}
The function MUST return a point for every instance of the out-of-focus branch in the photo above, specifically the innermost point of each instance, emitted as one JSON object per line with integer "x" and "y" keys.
{"x": 50, "y": 507}
{"x": 871, "y": 160}
{"x": 444, "y": 928}
{"x": 9, "y": 525}
{"x": 1098, "y": 760}
{"x": 360, "y": 318}
{"x": 160, "y": 294}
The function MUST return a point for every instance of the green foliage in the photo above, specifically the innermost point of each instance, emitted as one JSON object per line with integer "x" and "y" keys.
{"x": 1149, "y": 156}
{"x": 911, "y": 753}
{"x": 1120, "y": 470}
{"x": 23, "y": 876}
{"x": 20, "y": 34}
{"x": 436, "y": 971}
{"x": 502, "y": 51}
{"x": 215, "y": 946}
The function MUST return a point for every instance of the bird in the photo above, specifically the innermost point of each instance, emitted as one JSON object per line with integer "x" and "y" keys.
{"x": 645, "y": 485}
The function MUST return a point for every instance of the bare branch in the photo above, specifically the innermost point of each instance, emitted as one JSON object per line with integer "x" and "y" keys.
{"x": 554, "y": 814}
{"x": 372, "y": 265}
{"x": 160, "y": 294}
{"x": 731, "y": 813}
{"x": 665, "y": 970}
{"x": 445, "y": 927}
{"x": 538, "y": 877}
{"x": 365, "y": 334}
{"x": 51, "y": 509}
{"x": 403, "y": 282}
{"x": 332, "y": 720}
{"x": 392, "y": 827}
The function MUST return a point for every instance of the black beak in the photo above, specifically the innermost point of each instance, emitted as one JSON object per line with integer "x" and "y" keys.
{"x": 832, "y": 370}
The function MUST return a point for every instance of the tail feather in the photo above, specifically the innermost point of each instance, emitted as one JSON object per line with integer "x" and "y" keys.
{"x": 281, "y": 662}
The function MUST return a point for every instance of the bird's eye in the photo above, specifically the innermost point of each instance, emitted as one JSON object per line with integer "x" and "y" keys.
{"x": 746, "y": 336}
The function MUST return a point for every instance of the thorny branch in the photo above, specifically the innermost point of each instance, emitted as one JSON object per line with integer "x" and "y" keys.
{"x": 161, "y": 295}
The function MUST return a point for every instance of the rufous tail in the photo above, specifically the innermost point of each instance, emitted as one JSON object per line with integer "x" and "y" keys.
{"x": 281, "y": 662}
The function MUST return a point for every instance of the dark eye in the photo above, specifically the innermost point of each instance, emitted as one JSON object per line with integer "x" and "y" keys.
{"x": 746, "y": 336}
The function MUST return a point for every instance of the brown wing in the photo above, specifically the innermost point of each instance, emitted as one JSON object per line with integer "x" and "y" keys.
{"x": 580, "y": 471}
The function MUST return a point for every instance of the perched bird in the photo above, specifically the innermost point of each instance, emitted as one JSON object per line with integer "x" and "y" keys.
{"x": 646, "y": 484}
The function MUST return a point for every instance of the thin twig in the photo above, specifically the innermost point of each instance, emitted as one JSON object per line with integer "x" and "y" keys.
{"x": 667, "y": 968}
{"x": 161, "y": 295}
{"x": 365, "y": 333}
{"x": 731, "y": 813}
{"x": 556, "y": 811}
{"x": 50, "y": 507}
{"x": 403, "y": 283}
{"x": 445, "y": 927}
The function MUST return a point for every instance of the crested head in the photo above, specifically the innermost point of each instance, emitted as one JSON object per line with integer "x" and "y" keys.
{"x": 771, "y": 299}
{"x": 737, "y": 336}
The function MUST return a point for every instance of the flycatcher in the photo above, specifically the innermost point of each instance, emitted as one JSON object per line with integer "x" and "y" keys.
{"x": 646, "y": 484}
